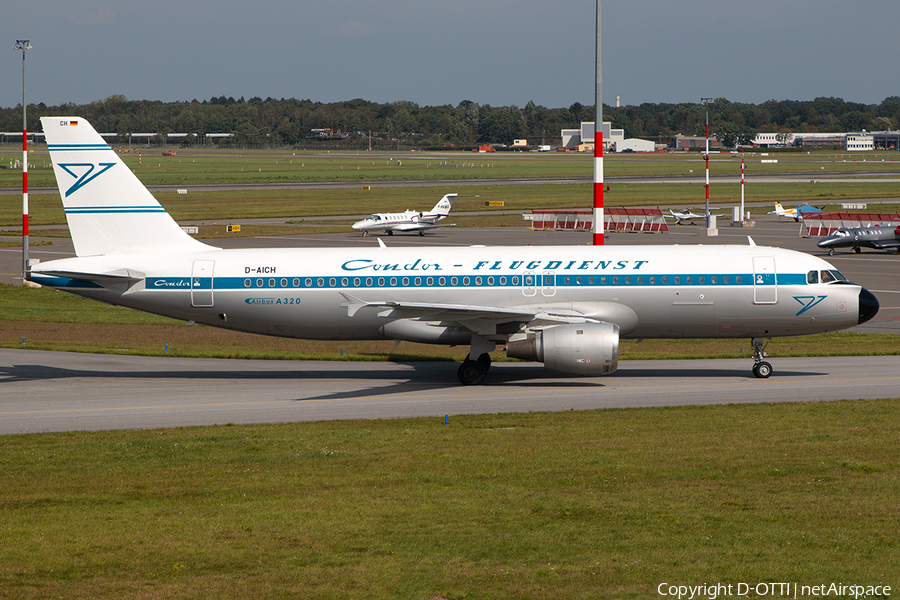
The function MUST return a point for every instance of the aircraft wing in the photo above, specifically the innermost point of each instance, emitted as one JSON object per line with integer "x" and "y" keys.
{"x": 418, "y": 226}
{"x": 881, "y": 244}
{"x": 479, "y": 319}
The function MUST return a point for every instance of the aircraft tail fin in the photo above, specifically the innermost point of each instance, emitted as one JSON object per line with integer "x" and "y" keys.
{"x": 444, "y": 205}
{"x": 107, "y": 207}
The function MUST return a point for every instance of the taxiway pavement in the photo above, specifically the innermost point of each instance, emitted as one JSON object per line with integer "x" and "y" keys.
{"x": 59, "y": 391}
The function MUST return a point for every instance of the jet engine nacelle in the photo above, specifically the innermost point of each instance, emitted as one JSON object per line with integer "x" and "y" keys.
{"x": 586, "y": 349}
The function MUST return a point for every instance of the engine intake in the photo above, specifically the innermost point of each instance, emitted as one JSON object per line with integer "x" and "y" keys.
{"x": 586, "y": 349}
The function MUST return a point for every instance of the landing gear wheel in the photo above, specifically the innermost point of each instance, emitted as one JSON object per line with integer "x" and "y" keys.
{"x": 471, "y": 372}
{"x": 421, "y": 232}
{"x": 762, "y": 370}
{"x": 831, "y": 252}
{"x": 390, "y": 232}
{"x": 857, "y": 249}
{"x": 485, "y": 361}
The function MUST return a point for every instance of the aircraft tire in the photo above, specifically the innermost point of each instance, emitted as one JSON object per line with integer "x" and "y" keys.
{"x": 857, "y": 249}
{"x": 831, "y": 252}
{"x": 485, "y": 361}
{"x": 390, "y": 232}
{"x": 762, "y": 370}
{"x": 421, "y": 232}
{"x": 471, "y": 373}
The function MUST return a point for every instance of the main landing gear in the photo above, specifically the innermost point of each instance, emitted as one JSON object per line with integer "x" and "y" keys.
{"x": 761, "y": 368}
{"x": 472, "y": 371}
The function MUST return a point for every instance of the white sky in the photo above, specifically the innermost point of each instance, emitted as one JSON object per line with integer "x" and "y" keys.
{"x": 497, "y": 52}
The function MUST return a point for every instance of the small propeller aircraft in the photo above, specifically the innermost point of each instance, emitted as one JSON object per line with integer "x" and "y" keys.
{"x": 793, "y": 213}
{"x": 686, "y": 215}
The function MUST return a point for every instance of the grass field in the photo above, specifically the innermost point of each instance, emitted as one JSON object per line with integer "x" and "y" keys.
{"x": 210, "y": 165}
{"x": 600, "y": 504}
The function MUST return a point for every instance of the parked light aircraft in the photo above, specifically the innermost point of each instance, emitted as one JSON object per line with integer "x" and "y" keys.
{"x": 566, "y": 306}
{"x": 686, "y": 215}
{"x": 879, "y": 238}
{"x": 793, "y": 213}
{"x": 409, "y": 220}
{"x": 790, "y": 213}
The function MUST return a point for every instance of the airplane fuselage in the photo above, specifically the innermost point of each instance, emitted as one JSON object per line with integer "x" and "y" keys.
{"x": 648, "y": 291}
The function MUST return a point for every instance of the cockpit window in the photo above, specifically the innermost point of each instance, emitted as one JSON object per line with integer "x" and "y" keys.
{"x": 812, "y": 277}
{"x": 841, "y": 233}
{"x": 832, "y": 275}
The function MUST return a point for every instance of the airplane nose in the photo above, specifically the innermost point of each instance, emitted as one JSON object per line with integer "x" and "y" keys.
{"x": 868, "y": 305}
{"x": 825, "y": 242}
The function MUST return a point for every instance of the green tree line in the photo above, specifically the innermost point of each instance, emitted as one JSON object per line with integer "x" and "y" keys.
{"x": 289, "y": 121}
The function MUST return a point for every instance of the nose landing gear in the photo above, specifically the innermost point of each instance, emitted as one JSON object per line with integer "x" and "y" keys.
{"x": 761, "y": 368}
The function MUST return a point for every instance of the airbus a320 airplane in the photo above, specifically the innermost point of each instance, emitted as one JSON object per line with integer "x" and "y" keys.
{"x": 566, "y": 306}
{"x": 409, "y": 220}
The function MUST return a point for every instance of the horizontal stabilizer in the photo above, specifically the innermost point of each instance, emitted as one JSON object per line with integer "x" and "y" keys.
{"x": 119, "y": 281}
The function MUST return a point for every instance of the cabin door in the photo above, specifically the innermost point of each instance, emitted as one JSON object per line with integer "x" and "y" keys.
{"x": 202, "y": 283}
{"x": 765, "y": 281}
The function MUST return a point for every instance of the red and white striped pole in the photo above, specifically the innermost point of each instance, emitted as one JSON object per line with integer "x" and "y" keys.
{"x": 707, "y": 168}
{"x": 598, "y": 188}
{"x": 742, "y": 185}
{"x": 707, "y": 102}
{"x": 24, "y": 45}
{"x": 598, "y": 142}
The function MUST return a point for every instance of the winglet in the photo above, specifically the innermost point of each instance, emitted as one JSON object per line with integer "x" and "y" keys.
{"x": 750, "y": 241}
{"x": 380, "y": 243}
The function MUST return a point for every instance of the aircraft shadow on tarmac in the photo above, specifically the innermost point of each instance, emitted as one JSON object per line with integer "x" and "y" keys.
{"x": 415, "y": 376}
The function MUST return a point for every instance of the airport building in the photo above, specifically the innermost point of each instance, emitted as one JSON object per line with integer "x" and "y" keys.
{"x": 583, "y": 139}
{"x": 693, "y": 142}
{"x": 635, "y": 145}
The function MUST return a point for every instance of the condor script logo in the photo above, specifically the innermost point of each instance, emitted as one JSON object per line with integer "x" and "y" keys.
{"x": 84, "y": 173}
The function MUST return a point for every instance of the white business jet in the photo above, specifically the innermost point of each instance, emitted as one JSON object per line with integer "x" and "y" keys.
{"x": 409, "y": 220}
{"x": 566, "y": 306}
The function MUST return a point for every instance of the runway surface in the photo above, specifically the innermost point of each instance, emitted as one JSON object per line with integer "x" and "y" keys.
{"x": 57, "y": 391}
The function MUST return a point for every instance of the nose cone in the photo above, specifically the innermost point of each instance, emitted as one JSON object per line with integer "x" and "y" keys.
{"x": 868, "y": 305}
{"x": 357, "y": 226}
{"x": 826, "y": 242}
